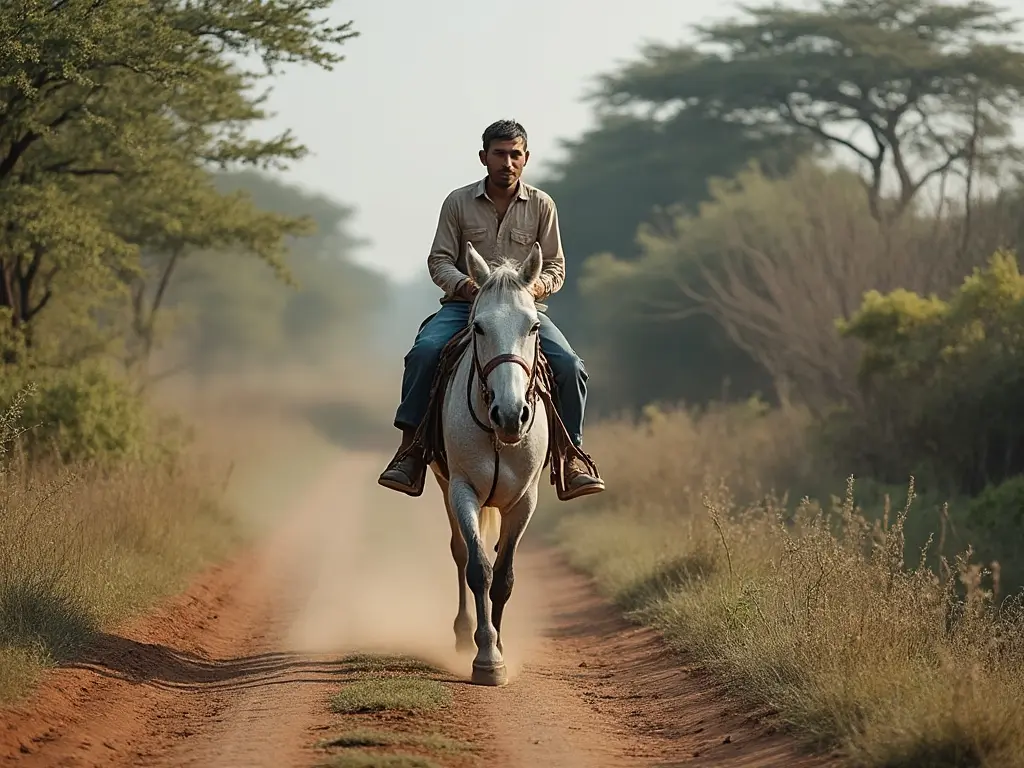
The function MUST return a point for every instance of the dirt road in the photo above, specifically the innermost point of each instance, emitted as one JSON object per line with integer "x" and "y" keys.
{"x": 238, "y": 670}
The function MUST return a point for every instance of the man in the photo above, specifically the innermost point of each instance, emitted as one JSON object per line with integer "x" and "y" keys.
{"x": 503, "y": 217}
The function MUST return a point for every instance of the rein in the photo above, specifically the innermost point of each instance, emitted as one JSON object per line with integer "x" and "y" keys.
{"x": 487, "y": 395}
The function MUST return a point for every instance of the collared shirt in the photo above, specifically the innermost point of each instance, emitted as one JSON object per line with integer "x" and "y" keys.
{"x": 469, "y": 214}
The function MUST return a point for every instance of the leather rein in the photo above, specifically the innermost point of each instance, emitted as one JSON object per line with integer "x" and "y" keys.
{"x": 481, "y": 373}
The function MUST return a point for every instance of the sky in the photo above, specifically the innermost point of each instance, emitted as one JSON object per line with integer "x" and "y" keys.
{"x": 396, "y": 126}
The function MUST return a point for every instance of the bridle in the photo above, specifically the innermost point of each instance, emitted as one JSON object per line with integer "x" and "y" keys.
{"x": 481, "y": 372}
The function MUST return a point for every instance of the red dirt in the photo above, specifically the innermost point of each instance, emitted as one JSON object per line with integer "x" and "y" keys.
{"x": 237, "y": 670}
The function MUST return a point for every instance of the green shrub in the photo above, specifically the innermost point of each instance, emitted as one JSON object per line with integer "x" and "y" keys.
{"x": 85, "y": 414}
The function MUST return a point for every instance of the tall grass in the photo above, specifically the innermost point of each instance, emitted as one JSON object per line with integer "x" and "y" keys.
{"x": 811, "y": 611}
{"x": 84, "y": 546}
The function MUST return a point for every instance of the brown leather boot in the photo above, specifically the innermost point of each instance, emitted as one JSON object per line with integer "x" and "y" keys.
{"x": 579, "y": 482}
{"x": 407, "y": 471}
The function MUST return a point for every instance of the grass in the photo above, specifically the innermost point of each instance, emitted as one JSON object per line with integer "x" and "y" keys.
{"x": 83, "y": 547}
{"x": 361, "y": 759}
{"x": 809, "y": 610}
{"x": 368, "y": 737}
{"x": 372, "y": 663}
{"x": 378, "y": 694}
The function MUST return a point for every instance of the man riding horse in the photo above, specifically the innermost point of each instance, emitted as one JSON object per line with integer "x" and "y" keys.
{"x": 502, "y": 216}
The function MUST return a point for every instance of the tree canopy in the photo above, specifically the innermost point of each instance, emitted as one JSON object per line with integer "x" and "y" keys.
{"x": 112, "y": 113}
{"x": 906, "y": 86}
{"x": 114, "y": 116}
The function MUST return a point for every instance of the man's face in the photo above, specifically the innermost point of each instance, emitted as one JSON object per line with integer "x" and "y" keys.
{"x": 505, "y": 161}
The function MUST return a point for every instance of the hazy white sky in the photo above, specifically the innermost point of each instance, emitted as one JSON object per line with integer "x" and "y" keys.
{"x": 397, "y": 125}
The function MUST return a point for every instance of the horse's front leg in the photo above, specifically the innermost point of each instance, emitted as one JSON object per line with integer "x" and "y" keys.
{"x": 513, "y": 525}
{"x": 460, "y": 554}
{"x": 488, "y": 665}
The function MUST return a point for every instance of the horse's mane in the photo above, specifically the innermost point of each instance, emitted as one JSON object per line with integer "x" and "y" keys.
{"x": 503, "y": 282}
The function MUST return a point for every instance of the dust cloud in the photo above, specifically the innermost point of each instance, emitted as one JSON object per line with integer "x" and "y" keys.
{"x": 382, "y": 577}
{"x": 367, "y": 570}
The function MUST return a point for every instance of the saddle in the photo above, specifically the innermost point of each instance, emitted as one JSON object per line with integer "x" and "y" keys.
{"x": 430, "y": 434}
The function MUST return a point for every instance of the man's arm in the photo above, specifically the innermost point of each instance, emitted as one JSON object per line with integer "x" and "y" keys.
{"x": 444, "y": 251}
{"x": 552, "y": 274}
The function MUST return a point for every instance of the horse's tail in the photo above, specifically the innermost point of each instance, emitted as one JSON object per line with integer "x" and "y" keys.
{"x": 490, "y": 527}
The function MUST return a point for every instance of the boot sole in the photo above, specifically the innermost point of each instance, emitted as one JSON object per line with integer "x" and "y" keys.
{"x": 400, "y": 487}
{"x": 585, "y": 490}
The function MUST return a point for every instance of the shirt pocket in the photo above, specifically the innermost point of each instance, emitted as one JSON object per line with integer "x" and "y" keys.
{"x": 522, "y": 241}
{"x": 478, "y": 237}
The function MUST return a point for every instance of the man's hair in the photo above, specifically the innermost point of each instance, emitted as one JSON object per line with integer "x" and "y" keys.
{"x": 503, "y": 130}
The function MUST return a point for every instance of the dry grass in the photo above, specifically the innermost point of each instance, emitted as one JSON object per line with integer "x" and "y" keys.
{"x": 361, "y": 759}
{"x": 811, "y": 612}
{"x": 370, "y": 737}
{"x": 83, "y": 546}
{"x": 379, "y": 694}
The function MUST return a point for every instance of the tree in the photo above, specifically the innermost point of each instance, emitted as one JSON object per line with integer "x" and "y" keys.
{"x": 775, "y": 262}
{"x": 107, "y": 102}
{"x": 237, "y": 312}
{"x": 624, "y": 172}
{"x": 929, "y": 84}
{"x": 208, "y": 223}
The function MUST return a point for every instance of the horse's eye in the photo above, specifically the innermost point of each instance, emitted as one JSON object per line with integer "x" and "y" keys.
{"x": 477, "y": 329}
{"x": 536, "y": 327}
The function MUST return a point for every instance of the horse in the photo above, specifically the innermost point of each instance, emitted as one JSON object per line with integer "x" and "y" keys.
{"x": 495, "y": 433}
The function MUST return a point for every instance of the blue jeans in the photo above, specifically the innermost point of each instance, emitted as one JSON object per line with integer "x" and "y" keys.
{"x": 421, "y": 361}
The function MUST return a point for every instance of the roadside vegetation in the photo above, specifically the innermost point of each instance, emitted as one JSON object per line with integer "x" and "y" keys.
{"x": 809, "y": 370}
{"x": 150, "y": 263}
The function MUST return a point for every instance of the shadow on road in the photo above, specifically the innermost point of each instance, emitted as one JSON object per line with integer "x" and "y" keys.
{"x": 160, "y": 666}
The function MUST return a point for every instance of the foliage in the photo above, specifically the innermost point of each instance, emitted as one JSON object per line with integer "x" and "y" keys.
{"x": 944, "y": 378}
{"x": 85, "y": 414}
{"x": 628, "y": 170}
{"x": 823, "y": 615}
{"x": 920, "y": 91}
{"x": 999, "y": 511}
{"x": 110, "y": 113}
{"x": 932, "y": 85}
{"x": 88, "y": 544}
{"x": 233, "y": 313}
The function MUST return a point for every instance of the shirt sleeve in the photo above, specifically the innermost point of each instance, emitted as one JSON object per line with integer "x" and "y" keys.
{"x": 444, "y": 251}
{"x": 552, "y": 274}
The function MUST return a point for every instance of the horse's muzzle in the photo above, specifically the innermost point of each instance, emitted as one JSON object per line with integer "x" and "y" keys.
{"x": 510, "y": 425}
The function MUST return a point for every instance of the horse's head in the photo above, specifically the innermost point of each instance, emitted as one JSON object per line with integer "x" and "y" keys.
{"x": 506, "y": 333}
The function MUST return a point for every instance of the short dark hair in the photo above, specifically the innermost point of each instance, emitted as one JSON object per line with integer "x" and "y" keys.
{"x": 503, "y": 130}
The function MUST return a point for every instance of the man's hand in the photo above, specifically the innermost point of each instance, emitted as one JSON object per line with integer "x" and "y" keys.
{"x": 468, "y": 289}
{"x": 538, "y": 290}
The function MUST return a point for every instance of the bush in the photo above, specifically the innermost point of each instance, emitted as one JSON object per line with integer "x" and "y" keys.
{"x": 85, "y": 414}
{"x": 86, "y": 544}
{"x": 822, "y": 616}
{"x": 942, "y": 383}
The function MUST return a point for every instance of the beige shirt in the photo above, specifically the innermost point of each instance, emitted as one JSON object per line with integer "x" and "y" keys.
{"x": 468, "y": 214}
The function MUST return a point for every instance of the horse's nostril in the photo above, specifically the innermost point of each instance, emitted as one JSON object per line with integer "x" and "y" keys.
{"x": 525, "y": 415}
{"x": 494, "y": 414}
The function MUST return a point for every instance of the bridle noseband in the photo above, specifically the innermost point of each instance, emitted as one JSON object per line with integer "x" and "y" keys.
{"x": 481, "y": 373}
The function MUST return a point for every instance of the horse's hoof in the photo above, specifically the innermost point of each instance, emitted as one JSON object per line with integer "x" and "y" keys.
{"x": 490, "y": 675}
{"x": 464, "y": 645}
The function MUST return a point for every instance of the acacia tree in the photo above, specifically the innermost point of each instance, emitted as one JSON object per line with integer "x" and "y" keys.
{"x": 915, "y": 89}
{"x": 110, "y": 112}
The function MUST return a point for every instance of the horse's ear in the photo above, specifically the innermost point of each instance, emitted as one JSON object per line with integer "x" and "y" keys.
{"x": 530, "y": 269}
{"x": 475, "y": 265}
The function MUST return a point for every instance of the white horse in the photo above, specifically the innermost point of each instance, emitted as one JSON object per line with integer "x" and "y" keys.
{"x": 496, "y": 439}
